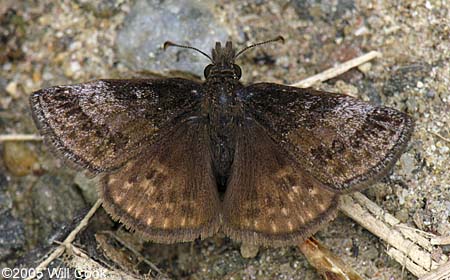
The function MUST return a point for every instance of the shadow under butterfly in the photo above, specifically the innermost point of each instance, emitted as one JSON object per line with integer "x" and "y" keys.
{"x": 167, "y": 148}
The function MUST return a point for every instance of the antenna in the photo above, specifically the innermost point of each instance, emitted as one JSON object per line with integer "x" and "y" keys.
{"x": 279, "y": 38}
{"x": 171, "y": 44}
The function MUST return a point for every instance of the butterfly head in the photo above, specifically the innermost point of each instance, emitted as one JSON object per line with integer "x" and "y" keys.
{"x": 223, "y": 63}
{"x": 222, "y": 59}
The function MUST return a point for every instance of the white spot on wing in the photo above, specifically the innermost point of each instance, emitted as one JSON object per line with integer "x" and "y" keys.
{"x": 291, "y": 197}
{"x": 112, "y": 180}
{"x": 165, "y": 223}
{"x": 313, "y": 191}
{"x": 256, "y": 224}
{"x": 274, "y": 227}
{"x": 290, "y": 226}
{"x": 119, "y": 198}
{"x": 128, "y": 186}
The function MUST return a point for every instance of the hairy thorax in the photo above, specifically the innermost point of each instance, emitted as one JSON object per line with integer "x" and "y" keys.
{"x": 224, "y": 111}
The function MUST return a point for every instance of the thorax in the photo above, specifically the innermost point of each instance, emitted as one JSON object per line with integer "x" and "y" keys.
{"x": 223, "y": 110}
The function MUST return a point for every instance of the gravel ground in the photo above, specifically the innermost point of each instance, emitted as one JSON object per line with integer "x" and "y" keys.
{"x": 45, "y": 43}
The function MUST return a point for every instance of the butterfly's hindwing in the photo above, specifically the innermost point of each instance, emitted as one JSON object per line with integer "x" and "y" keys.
{"x": 270, "y": 200}
{"x": 168, "y": 193}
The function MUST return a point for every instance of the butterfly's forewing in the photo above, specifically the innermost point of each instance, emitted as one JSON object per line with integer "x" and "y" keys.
{"x": 270, "y": 199}
{"x": 343, "y": 142}
{"x": 100, "y": 125}
{"x": 168, "y": 193}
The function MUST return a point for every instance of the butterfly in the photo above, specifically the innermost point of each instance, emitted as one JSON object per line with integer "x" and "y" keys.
{"x": 180, "y": 160}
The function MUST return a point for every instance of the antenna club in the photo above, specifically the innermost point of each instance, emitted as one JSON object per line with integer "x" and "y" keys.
{"x": 168, "y": 44}
{"x": 280, "y": 38}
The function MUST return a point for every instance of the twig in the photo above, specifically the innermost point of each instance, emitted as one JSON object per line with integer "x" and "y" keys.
{"x": 337, "y": 70}
{"x": 69, "y": 239}
{"x": 406, "y": 246}
{"x": 134, "y": 251}
{"x": 442, "y": 273}
{"x": 421, "y": 232}
{"x": 440, "y": 136}
{"x": 440, "y": 240}
{"x": 330, "y": 266}
{"x": 82, "y": 262}
{"x": 20, "y": 137}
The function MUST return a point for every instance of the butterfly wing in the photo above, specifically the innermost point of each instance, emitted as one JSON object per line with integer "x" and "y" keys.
{"x": 100, "y": 125}
{"x": 270, "y": 199}
{"x": 343, "y": 142}
{"x": 168, "y": 194}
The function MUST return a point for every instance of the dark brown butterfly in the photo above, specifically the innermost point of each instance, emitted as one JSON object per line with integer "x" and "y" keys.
{"x": 165, "y": 148}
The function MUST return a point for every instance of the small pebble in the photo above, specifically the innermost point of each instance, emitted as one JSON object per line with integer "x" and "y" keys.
{"x": 249, "y": 251}
{"x": 365, "y": 68}
{"x": 19, "y": 159}
{"x": 402, "y": 215}
{"x": 11, "y": 89}
{"x": 88, "y": 186}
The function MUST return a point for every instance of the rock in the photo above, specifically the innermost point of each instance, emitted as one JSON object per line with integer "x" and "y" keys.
{"x": 402, "y": 215}
{"x": 405, "y": 77}
{"x": 371, "y": 253}
{"x": 365, "y": 67}
{"x": 408, "y": 165}
{"x": 88, "y": 187}
{"x": 101, "y": 8}
{"x": 12, "y": 90}
{"x": 55, "y": 202}
{"x": 19, "y": 158}
{"x": 328, "y": 10}
{"x": 12, "y": 235}
{"x": 249, "y": 251}
{"x": 347, "y": 88}
{"x": 5, "y": 198}
{"x": 13, "y": 30}
{"x": 150, "y": 24}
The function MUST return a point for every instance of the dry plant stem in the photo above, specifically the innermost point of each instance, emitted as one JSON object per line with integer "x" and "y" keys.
{"x": 136, "y": 253}
{"x": 440, "y": 136}
{"x": 440, "y": 240}
{"x": 407, "y": 246}
{"x": 326, "y": 263}
{"x": 20, "y": 137}
{"x": 338, "y": 70}
{"x": 442, "y": 273}
{"x": 66, "y": 244}
{"x": 83, "y": 262}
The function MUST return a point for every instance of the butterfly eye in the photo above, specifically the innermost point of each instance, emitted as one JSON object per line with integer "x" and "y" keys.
{"x": 207, "y": 70}
{"x": 237, "y": 70}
